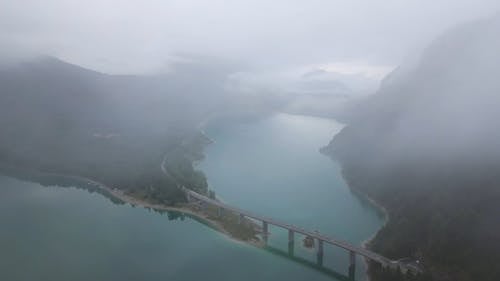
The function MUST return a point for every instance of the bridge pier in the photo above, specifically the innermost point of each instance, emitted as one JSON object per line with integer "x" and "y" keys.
{"x": 319, "y": 253}
{"x": 210, "y": 203}
{"x": 291, "y": 242}
{"x": 211, "y": 194}
{"x": 265, "y": 232}
{"x": 352, "y": 264}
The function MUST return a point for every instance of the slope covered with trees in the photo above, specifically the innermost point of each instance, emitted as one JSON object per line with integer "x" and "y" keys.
{"x": 58, "y": 117}
{"x": 427, "y": 147}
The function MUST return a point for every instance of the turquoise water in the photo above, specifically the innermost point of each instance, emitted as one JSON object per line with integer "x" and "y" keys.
{"x": 271, "y": 166}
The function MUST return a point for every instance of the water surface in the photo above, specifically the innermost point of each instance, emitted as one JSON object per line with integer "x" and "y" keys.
{"x": 270, "y": 166}
{"x": 273, "y": 167}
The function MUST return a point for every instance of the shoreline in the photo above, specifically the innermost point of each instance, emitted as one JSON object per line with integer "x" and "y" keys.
{"x": 185, "y": 208}
{"x": 193, "y": 210}
{"x": 365, "y": 244}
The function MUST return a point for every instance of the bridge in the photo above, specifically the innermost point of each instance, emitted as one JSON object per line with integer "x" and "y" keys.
{"x": 292, "y": 229}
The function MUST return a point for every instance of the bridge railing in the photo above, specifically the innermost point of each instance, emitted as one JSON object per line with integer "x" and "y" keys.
{"x": 339, "y": 243}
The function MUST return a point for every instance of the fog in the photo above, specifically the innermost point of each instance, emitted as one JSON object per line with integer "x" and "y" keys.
{"x": 120, "y": 92}
{"x": 275, "y": 42}
{"x": 433, "y": 124}
{"x": 446, "y": 103}
{"x": 314, "y": 57}
{"x": 133, "y": 36}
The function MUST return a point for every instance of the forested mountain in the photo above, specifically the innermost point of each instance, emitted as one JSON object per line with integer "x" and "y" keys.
{"x": 427, "y": 147}
{"x": 58, "y": 117}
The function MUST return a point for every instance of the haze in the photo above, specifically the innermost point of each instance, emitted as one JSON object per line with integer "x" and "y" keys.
{"x": 126, "y": 98}
{"x": 136, "y": 36}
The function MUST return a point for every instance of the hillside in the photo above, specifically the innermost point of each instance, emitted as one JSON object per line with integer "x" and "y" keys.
{"x": 427, "y": 147}
{"x": 58, "y": 117}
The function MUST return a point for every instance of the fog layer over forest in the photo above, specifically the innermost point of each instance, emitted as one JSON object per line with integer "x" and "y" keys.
{"x": 427, "y": 146}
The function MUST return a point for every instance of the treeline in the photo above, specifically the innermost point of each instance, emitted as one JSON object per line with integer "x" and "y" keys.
{"x": 447, "y": 222}
{"x": 59, "y": 118}
{"x": 427, "y": 148}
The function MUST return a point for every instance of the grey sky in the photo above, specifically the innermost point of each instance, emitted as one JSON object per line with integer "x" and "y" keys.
{"x": 122, "y": 36}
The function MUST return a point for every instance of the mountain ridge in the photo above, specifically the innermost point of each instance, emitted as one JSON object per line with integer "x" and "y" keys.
{"x": 426, "y": 147}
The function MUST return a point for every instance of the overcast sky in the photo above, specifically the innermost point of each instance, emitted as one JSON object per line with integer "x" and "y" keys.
{"x": 121, "y": 36}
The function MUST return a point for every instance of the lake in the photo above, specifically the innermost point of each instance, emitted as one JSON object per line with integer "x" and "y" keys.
{"x": 270, "y": 166}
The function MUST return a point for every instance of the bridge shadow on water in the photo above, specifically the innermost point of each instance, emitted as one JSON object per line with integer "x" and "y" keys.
{"x": 273, "y": 250}
{"x": 285, "y": 254}
{"x": 310, "y": 264}
{"x": 46, "y": 179}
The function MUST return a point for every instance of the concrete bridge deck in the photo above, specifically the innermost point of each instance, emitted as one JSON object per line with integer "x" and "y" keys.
{"x": 295, "y": 229}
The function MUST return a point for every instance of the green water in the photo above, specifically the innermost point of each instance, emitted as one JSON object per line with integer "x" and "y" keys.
{"x": 271, "y": 167}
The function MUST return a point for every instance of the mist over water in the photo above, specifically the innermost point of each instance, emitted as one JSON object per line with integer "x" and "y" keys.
{"x": 110, "y": 91}
{"x": 272, "y": 167}
{"x": 62, "y": 233}
{"x": 72, "y": 223}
